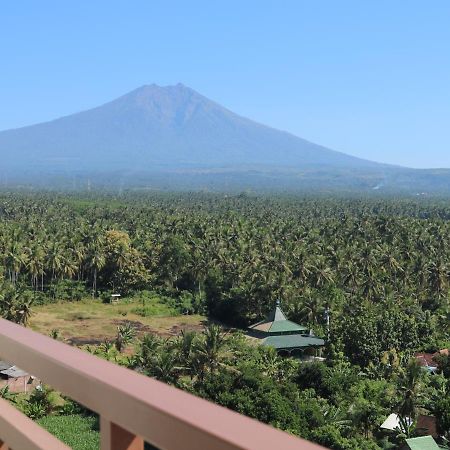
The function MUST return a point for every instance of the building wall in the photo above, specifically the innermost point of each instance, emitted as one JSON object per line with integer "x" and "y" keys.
{"x": 19, "y": 385}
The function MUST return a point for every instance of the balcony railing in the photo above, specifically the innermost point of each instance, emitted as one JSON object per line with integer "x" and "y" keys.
{"x": 132, "y": 407}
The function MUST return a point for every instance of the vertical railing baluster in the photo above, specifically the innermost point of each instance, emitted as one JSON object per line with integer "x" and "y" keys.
{"x": 113, "y": 437}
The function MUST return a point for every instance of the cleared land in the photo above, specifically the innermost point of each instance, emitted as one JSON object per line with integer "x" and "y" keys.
{"x": 91, "y": 321}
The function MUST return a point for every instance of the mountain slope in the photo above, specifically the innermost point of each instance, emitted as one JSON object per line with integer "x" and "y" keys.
{"x": 155, "y": 128}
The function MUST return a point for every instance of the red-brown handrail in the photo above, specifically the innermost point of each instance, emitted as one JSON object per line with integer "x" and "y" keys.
{"x": 131, "y": 404}
{"x": 18, "y": 430}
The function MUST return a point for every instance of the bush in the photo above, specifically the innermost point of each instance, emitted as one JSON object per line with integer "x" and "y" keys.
{"x": 35, "y": 410}
{"x": 189, "y": 303}
{"x": 153, "y": 304}
{"x": 311, "y": 375}
{"x": 229, "y": 308}
{"x": 330, "y": 437}
{"x": 67, "y": 290}
{"x": 443, "y": 415}
{"x": 42, "y": 401}
{"x": 255, "y": 396}
{"x": 71, "y": 408}
{"x": 444, "y": 365}
{"x": 41, "y": 298}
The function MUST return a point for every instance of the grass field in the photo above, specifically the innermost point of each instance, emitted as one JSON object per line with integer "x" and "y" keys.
{"x": 91, "y": 321}
{"x": 77, "y": 431}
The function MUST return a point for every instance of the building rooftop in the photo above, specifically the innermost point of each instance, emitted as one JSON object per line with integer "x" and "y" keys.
{"x": 293, "y": 341}
{"x": 14, "y": 372}
{"x": 426, "y": 359}
{"x": 392, "y": 422}
{"x": 422, "y": 443}
{"x": 276, "y": 322}
{"x": 5, "y": 365}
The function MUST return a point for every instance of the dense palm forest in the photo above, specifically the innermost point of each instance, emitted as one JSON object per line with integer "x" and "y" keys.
{"x": 381, "y": 267}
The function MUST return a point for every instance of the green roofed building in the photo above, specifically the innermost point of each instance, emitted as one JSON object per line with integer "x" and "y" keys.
{"x": 284, "y": 335}
{"x": 422, "y": 443}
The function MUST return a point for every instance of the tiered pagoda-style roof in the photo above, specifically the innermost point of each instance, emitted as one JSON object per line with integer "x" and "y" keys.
{"x": 291, "y": 342}
{"x": 283, "y": 334}
{"x": 276, "y": 323}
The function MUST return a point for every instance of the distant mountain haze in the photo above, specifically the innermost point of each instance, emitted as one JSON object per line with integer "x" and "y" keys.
{"x": 174, "y": 138}
{"x": 153, "y": 127}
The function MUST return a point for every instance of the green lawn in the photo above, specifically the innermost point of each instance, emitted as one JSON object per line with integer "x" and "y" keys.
{"x": 77, "y": 431}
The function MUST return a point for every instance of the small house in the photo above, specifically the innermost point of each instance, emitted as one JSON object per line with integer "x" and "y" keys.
{"x": 429, "y": 360}
{"x": 425, "y": 425}
{"x": 115, "y": 298}
{"x": 16, "y": 379}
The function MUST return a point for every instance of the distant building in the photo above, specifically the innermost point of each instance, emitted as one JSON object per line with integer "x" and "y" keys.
{"x": 285, "y": 336}
{"x": 428, "y": 360}
{"x": 115, "y": 298}
{"x": 422, "y": 443}
{"x": 392, "y": 422}
{"x": 425, "y": 425}
{"x": 16, "y": 379}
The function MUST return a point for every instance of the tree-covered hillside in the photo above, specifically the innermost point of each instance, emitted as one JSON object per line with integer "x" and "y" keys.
{"x": 381, "y": 267}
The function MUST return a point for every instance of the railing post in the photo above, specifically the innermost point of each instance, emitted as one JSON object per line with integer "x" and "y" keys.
{"x": 113, "y": 437}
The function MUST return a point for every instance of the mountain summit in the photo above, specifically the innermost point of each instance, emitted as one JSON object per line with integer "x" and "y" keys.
{"x": 153, "y": 128}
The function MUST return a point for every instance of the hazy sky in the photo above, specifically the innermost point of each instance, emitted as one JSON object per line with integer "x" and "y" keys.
{"x": 370, "y": 78}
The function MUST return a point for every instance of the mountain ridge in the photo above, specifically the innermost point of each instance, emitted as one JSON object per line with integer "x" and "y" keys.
{"x": 171, "y": 125}
{"x": 172, "y": 137}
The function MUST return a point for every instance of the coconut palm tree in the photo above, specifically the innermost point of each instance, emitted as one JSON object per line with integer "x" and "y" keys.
{"x": 125, "y": 335}
{"x": 16, "y": 305}
{"x": 410, "y": 393}
{"x": 95, "y": 261}
{"x": 211, "y": 349}
{"x": 36, "y": 265}
{"x": 15, "y": 259}
{"x": 164, "y": 367}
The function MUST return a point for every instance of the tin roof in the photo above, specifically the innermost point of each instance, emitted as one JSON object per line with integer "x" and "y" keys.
{"x": 14, "y": 372}
{"x": 291, "y": 341}
{"x": 276, "y": 322}
{"x": 422, "y": 443}
{"x": 426, "y": 359}
{"x": 5, "y": 365}
{"x": 392, "y": 422}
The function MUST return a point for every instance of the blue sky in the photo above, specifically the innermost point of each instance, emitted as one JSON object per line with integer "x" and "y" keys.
{"x": 370, "y": 78}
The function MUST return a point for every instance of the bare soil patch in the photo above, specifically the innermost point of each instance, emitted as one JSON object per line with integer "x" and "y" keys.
{"x": 90, "y": 322}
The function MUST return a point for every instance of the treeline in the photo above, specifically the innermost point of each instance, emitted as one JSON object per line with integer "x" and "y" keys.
{"x": 380, "y": 265}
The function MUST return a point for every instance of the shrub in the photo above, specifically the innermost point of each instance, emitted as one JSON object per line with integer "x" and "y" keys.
{"x": 443, "y": 415}
{"x": 67, "y": 290}
{"x": 153, "y": 304}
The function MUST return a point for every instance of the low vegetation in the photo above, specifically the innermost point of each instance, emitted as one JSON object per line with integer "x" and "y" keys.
{"x": 76, "y": 430}
{"x": 90, "y": 321}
